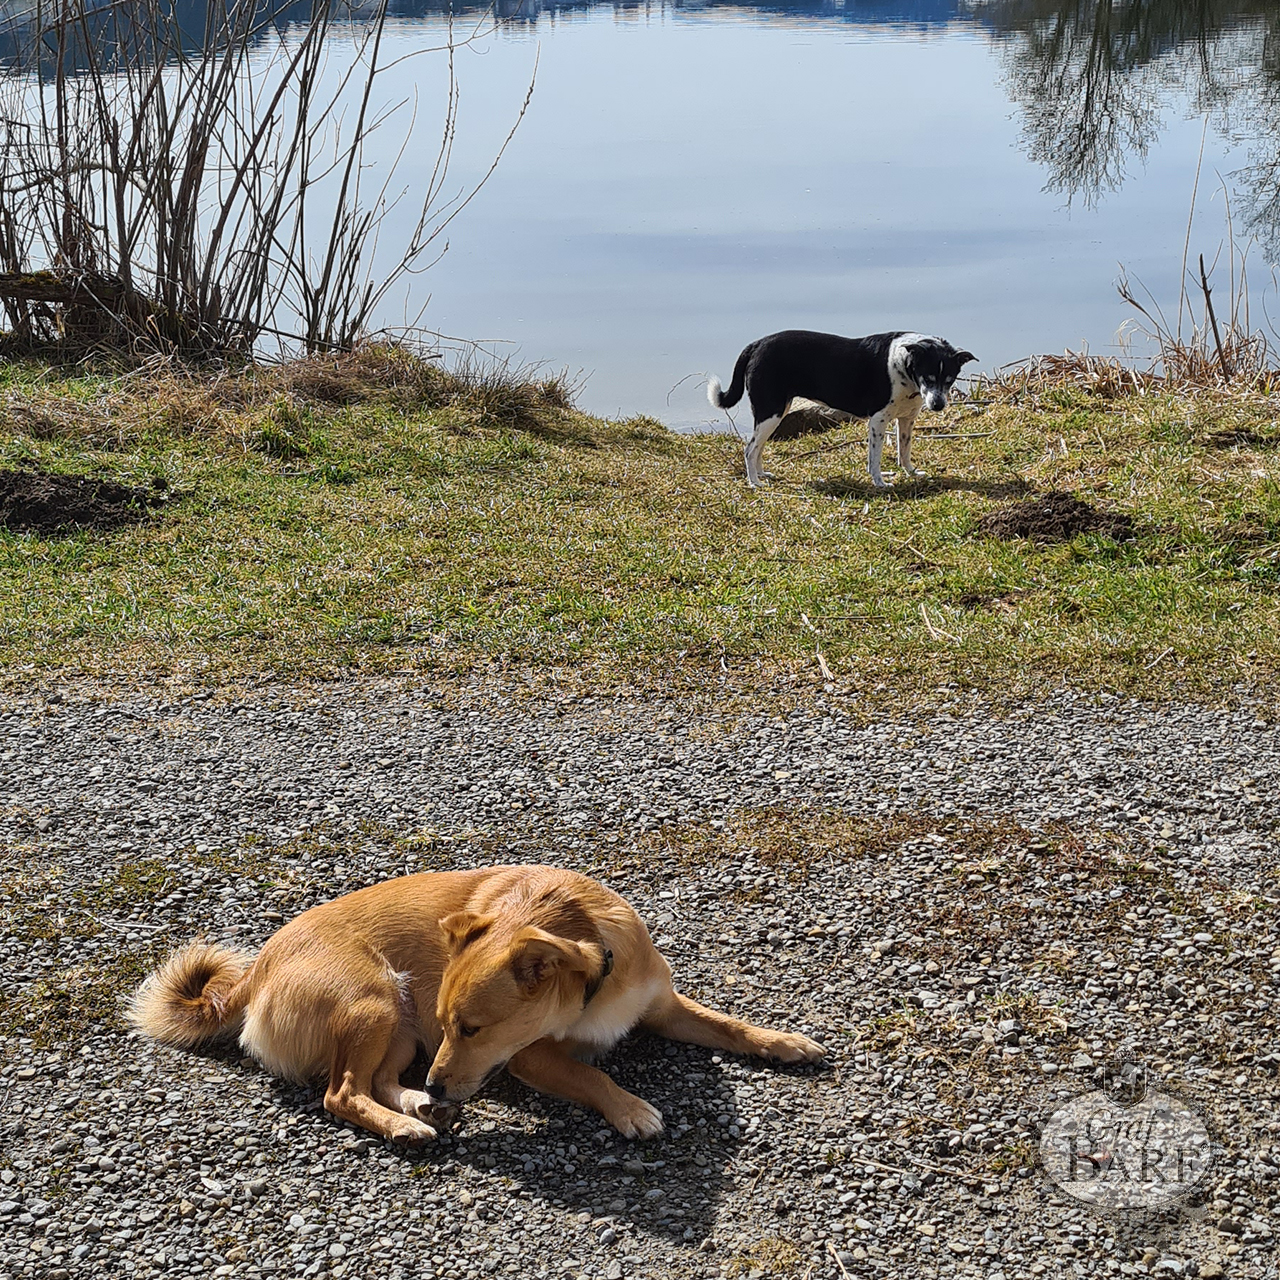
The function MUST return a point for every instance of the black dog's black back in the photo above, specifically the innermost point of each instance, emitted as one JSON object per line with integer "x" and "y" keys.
{"x": 852, "y": 375}
{"x": 847, "y": 374}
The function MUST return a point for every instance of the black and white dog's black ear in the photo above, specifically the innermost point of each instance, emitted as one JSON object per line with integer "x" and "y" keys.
{"x": 913, "y": 355}
{"x": 965, "y": 356}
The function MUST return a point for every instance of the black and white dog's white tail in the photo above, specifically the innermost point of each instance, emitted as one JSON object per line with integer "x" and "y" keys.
{"x": 721, "y": 399}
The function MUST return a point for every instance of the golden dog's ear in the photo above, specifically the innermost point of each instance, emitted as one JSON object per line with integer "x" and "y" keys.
{"x": 537, "y": 955}
{"x": 463, "y": 927}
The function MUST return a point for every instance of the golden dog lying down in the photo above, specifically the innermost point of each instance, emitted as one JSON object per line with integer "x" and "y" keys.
{"x": 529, "y": 968}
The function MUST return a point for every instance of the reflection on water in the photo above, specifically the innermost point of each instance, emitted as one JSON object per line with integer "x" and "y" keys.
{"x": 1092, "y": 79}
{"x": 866, "y": 173}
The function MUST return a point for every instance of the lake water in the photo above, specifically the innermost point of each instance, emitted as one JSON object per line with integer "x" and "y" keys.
{"x": 689, "y": 177}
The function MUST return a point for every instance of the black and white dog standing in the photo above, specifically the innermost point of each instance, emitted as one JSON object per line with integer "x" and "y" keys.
{"x": 880, "y": 377}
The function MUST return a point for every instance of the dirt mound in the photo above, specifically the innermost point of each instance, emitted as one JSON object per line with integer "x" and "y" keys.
{"x": 41, "y": 502}
{"x": 1054, "y": 517}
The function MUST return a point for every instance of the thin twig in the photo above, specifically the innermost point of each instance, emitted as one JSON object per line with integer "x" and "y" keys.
{"x": 1213, "y": 320}
{"x": 936, "y": 632}
{"x": 832, "y": 448}
{"x": 1191, "y": 217}
{"x": 844, "y": 1271}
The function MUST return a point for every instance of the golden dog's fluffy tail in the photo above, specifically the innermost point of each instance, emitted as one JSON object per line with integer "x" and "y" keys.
{"x": 198, "y": 994}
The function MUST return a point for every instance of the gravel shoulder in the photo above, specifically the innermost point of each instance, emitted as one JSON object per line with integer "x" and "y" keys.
{"x": 975, "y": 912}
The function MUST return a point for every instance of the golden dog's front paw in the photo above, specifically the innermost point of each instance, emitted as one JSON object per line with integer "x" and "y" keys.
{"x": 412, "y": 1133}
{"x": 787, "y": 1046}
{"x": 443, "y": 1119}
{"x": 635, "y": 1118}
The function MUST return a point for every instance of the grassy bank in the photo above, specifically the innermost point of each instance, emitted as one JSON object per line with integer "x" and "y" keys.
{"x": 373, "y": 515}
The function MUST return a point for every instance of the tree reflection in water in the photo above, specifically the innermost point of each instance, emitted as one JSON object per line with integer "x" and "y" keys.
{"x": 1091, "y": 79}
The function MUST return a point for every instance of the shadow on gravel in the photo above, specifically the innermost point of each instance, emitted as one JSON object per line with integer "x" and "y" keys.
{"x": 670, "y": 1186}
{"x": 912, "y": 490}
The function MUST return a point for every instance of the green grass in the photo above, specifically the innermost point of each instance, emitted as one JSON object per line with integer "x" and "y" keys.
{"x": 375, "y": 527}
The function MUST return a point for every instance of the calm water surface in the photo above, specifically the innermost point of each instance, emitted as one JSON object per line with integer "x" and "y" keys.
{"x": 689, "y": 177}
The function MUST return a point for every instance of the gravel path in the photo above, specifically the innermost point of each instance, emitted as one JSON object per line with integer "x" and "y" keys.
{"x": 975, "y": 913}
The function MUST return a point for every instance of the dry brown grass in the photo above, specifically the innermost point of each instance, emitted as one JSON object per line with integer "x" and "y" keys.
{"x": 167, "y": 397}
{"x": 1103, "y": 376}
{"x": 772, "y": 1256}
{"x": 482, "y": 392}
{"x": 1185, "y": 372}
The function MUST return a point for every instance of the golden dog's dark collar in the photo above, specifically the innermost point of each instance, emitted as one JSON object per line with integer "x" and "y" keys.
{"x": 589, "y": 994}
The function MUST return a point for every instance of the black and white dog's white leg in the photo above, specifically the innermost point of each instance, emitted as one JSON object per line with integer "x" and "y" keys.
{"x": 755, "y": 447}
{"x": 905, "y": 424}
{"x": 875, "y": 448}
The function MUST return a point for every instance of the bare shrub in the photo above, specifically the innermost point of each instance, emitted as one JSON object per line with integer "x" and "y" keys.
{"x": 204, "y": 195}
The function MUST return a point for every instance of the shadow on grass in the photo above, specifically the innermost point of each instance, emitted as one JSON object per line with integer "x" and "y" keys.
{"x": 913, "y": 490}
